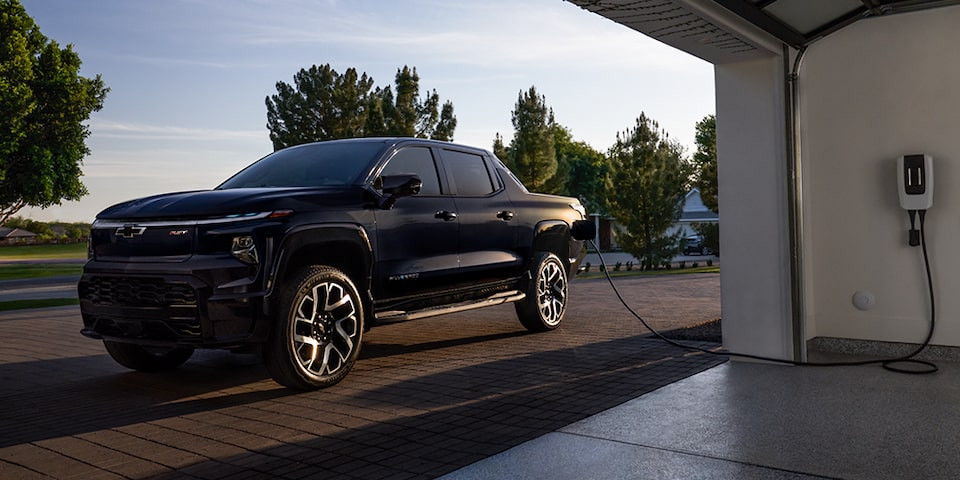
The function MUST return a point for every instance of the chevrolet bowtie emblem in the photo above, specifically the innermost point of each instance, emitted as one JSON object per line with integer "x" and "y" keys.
{"x": 130, "y": 231}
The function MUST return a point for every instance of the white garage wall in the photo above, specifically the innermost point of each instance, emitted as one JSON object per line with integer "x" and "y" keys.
{"x": 871, "y": 92}
{"x": 755, "y": 278}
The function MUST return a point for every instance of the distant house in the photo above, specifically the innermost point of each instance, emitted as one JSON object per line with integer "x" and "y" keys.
{"x": 694, "y": 211}
{"x": 16, "y": 236}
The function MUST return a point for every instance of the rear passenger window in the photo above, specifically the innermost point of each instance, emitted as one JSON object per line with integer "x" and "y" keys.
{"x": 470, "y": 174}
{"x": 417, "y": 160}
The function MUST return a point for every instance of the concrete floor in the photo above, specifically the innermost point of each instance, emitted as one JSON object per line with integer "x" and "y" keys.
{"x": 757, "y": 421}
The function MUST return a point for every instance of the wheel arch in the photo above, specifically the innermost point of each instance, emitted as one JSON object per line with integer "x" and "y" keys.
{"x": 552, "y": 236}
{"x": 345, "y": 247}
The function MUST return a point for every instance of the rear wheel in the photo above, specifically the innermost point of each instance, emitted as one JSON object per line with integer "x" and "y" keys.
{"x": 546, "y": 300}
{"x": 316, "y": 341}
{"x": 147, "y": 359}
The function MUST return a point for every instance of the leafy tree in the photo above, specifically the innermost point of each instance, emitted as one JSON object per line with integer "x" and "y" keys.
{"x": 705, "y": 162}
{"x": 531, "y": 154}
{"x": 710, "y": 231}
{"x": 43, "y": 230}
{"x": 648, "y": 178}
{"x": 43, "y": 104}
{"x": 705, "y": 178}
{"x": 323, "y": 104}
{"x": 584, "y": 171}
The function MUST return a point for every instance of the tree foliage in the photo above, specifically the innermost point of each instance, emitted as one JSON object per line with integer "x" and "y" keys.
{"x": 649, "y": 180}
{"x": 705, "y": 162}
{"x": 531, "y": 153}
{"x": 43, "y": 104}
{"x": 582, "y": 171}
{"x": 323, "y": 104}
{"x": 52, "y": 231}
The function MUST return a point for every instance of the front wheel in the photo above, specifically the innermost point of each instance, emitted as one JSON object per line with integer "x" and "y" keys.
{"x": 316, "y": 341}
{"x": 147, "y": 359}
{"x": 546, "y": 300}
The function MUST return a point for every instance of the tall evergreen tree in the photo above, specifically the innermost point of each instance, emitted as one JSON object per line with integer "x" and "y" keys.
{"x": 531, "y": 154}
{"x": 406, "y": 115}
{"x": 323, "y": 104}
{"x": 43, "y": 104}
{"x": 649, "y": 184}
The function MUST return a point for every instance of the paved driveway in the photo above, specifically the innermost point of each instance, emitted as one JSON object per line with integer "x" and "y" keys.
{"x": 427, "y": 397}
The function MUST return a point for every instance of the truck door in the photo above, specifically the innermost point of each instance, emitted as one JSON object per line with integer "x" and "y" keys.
{"x": 417, "y": 238}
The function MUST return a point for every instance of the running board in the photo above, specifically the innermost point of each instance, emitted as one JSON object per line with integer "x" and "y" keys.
{"x": 496, "y": 299}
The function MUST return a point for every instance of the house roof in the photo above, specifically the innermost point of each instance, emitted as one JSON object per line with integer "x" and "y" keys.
{"x": 7, "y": 232}
{"x": 724, "y": 31}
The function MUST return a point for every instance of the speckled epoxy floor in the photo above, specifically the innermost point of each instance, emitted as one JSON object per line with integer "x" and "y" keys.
{"x": 756, "y": 421}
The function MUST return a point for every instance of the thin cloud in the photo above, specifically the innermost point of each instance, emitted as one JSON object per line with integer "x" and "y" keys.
{"x": 104, "y": 128}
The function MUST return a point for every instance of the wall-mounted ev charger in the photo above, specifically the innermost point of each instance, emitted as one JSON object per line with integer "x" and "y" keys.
{"x": 915, "y": 174}
{"x": 915, "y": 188}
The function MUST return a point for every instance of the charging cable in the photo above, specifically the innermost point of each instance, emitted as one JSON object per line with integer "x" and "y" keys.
{"x": 892, "y": 364}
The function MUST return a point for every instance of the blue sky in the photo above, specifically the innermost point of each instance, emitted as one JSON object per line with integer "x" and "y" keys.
{"x": 188, "y": 78}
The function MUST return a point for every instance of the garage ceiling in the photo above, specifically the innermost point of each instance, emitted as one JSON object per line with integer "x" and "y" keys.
{"x": 722, "y": 31}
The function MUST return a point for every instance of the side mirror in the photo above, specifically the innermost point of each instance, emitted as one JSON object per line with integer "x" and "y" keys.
{"x": 397, "y": 185}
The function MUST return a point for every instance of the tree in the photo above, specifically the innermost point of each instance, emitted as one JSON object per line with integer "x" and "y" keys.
{"x": 705, "y": 165}
{"x": 323, "y": 104}
{"x": 406, "y": 115}
{"x": 584, "y": 171}
{"x": 648, "y": 178}
{"x": 43, "y": 104}
{"x": 531, "y": 153}
{"x": 705, "y": 162}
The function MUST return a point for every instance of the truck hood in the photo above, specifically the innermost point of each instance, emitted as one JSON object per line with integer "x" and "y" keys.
{"x": 202, "y": 204}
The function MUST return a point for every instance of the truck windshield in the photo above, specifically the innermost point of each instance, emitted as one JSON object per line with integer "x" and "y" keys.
{"x": 312, "y": 165}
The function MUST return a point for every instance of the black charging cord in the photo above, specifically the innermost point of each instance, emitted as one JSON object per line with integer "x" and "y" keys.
{"x": 889, "y": 364}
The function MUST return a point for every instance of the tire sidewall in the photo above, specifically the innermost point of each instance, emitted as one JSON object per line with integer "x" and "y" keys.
{"x": 280, "y": 354}
{"x": 528, "y": 309}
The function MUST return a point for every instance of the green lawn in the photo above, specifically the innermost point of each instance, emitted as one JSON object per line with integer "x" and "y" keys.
{"x": 42, "y": 252}
{"x": 41, "y": 303}
{"x": 20, "y": 271}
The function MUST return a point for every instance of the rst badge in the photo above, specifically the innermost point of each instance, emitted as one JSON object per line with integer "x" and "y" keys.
{"x": 178, "y": 233}
{"x": 130, "y": 231}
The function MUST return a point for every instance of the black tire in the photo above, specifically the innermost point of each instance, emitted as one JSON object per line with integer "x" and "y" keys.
{"x": 546, "y": 300}
{"x": 147, "y": 359}
{"x": 316, "y": 339}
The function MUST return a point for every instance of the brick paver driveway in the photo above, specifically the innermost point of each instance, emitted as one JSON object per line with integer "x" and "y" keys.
{"x": 427, "y": 397}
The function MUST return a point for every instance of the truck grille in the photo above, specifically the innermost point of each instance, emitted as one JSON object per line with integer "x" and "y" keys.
{"x": 141, "y": 308}
{"x": 137, "y": 292}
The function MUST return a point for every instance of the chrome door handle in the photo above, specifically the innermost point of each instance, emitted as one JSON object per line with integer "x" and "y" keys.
{"x": 446, "y": 216}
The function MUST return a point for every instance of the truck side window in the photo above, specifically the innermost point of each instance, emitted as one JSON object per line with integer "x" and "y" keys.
{"x": 417, "y": 160}
{"x": 470, "y": 174}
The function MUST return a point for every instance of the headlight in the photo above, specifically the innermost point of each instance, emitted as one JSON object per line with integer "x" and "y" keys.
{"x": 245, "y": 250}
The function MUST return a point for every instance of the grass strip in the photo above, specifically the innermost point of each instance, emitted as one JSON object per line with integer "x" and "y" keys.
{"x": 646, "y": 273}
{"x": 40, "y": 252}
{"x": 37, "y": 303}
{"x": 20, "y": 271}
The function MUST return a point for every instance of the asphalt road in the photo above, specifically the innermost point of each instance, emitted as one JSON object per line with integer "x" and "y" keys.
{"x": 39, "y": 288}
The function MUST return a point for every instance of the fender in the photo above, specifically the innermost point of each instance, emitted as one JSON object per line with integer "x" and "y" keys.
{"x": 323, "y": 244}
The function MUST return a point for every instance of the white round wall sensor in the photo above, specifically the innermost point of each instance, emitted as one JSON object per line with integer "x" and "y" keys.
{"x": 864, "y": 300}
